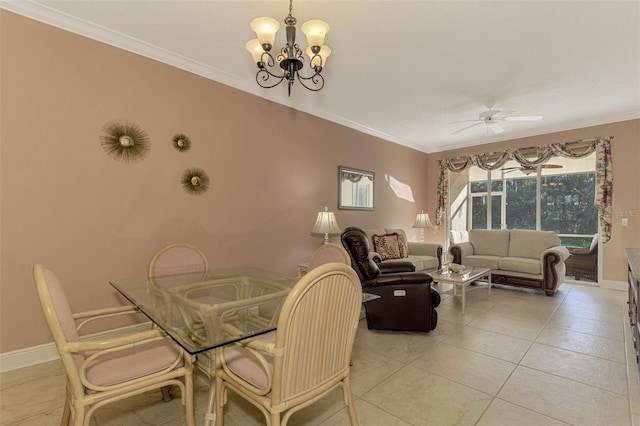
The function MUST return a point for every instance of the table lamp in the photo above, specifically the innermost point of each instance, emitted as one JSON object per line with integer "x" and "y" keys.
{"x": 326, "y": 224}
{"x": 422, "y": 221}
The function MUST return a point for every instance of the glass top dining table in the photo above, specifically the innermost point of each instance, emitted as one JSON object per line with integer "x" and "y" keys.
{"x": 205, "y": 310}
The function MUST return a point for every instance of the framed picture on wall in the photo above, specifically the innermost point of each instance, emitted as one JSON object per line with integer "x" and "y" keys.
{"x": 356, "y": 189}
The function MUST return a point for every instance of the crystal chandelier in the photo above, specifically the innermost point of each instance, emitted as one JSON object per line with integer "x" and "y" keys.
{"x": 290, "y": 60}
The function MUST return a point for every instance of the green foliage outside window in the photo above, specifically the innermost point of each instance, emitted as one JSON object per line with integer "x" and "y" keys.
{"x": 521, "y": 203}
{"x": 566, "y": 205}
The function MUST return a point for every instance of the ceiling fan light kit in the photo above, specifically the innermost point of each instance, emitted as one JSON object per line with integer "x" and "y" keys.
{"x": 290, "y": 60}
{"x": 495, "y": 128}
{"x": 491, "y": 117}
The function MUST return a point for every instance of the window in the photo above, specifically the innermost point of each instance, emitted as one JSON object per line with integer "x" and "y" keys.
{"x": 480, "y": 203}
{"x": 556, "y": 198}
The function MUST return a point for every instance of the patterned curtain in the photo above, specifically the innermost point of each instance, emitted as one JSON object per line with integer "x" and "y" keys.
{"x": 536, "y": 155}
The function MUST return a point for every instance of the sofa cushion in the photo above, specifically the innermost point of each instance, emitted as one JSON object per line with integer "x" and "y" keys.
{"x": 428, "y": 262}
{"x": 520, "y": 264}
{"x": 531, "y": 244}
{"x": 481, "y": 261}
{"x": 402, "y": 241}
{"x": 492, "y": 242}
{"x": 386, "y": 246}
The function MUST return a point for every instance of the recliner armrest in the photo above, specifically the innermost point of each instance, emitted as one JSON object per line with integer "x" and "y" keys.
{"x": 404, "y": 278}
{"x": 393, "y": 267}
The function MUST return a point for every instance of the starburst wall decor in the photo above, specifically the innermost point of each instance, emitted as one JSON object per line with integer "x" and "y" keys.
{"x": 195, "y": 181}
{"x": 181, "y": 142}
{"x": 125, "y": 141}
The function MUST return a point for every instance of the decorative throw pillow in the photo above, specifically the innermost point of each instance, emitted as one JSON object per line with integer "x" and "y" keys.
{"x": 387, "y": 246}
{"x": 402, "y": 241}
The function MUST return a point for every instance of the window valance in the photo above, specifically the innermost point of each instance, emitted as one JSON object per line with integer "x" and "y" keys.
{"x": 536, "y": 155}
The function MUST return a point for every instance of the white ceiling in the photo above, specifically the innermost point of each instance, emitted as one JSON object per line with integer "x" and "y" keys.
{"x": 401, "y": 70}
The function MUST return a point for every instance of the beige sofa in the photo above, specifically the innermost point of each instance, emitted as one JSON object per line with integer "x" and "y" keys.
{"x": 424, "y": 256}
{"x": 522, "y": 258}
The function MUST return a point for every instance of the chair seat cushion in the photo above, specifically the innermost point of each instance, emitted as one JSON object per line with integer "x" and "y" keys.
{"x": 425, "y": 262}
{"x": 139, "y": 361}
{"x": 244, "y": 365}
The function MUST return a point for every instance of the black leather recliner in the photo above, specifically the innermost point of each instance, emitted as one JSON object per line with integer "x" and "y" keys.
{"x": 407, "y": 300}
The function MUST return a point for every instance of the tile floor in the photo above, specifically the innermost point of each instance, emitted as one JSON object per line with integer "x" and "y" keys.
{"x": 515, "y": 358}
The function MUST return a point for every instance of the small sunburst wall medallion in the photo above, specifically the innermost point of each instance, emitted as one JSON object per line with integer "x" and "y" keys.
{"x": 195, "y": 181}
{"x": 125, "y": 141}
{"x": 181, "y": 142}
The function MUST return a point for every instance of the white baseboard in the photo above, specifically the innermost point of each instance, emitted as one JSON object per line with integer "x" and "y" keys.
{"x": 47, "y": 352}
{"x": 614, "y": 285}
{"x": 608, "y": 284}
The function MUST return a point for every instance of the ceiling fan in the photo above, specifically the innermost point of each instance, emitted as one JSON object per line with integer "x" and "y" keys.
{"x": 491, "y": 117}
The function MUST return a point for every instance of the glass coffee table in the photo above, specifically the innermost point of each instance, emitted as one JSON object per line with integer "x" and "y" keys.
{"x": 460, "y": 281}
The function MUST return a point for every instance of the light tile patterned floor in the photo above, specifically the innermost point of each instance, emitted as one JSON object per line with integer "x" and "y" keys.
{"x": 516, "y": 358}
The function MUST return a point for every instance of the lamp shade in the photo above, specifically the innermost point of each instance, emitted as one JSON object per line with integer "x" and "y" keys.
{"x": 255, "y": 48}
{"x": 422, "y": 221}
{"x": 320, "y": 61}
{"x": 326, "y": 223}
{"x": 266, "y": 29}
{"x": 315, "y": 31}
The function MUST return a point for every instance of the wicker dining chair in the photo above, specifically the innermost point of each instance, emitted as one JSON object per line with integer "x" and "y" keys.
{"x": 308, "y": 355}
{"x": 102, "y": 371}
{"x": 327, "y": 253}
{"x": 175, "y": 259}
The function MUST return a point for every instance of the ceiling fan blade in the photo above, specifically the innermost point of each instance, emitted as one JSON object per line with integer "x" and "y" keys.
{"x": 501, "y": 115}
{"x": 524, "y": 118}
{"x": 496, "y": 128}
{"x": 550, "y": 166}
{"x": 463, "y": 121}
{"x": 468, "y": 127}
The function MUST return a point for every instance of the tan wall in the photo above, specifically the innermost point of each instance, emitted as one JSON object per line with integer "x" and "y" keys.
{"x": 89, "y": 219}
{"x": 625, "y": 151}
{"x": 66, "y": 204}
